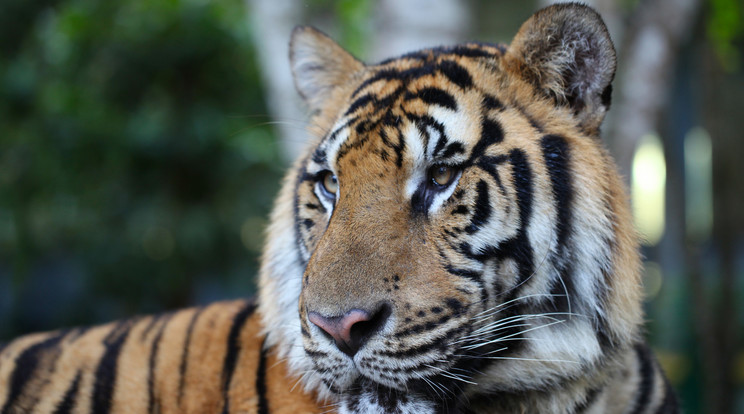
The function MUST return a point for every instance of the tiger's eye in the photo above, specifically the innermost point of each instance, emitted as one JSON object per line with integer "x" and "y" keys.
{"x": 442, "y": 174}
{"x": 330, "y": 183}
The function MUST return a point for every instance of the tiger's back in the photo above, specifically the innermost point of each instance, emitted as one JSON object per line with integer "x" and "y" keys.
{"x": 199, "y": 360}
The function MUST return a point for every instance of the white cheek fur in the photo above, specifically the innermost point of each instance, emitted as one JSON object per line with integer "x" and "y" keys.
{"x": 440, "y": 198}
{"x": 327, "y": 203}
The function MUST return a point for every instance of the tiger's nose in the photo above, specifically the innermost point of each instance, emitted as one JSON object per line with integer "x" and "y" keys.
{"x": 353, "y": 329}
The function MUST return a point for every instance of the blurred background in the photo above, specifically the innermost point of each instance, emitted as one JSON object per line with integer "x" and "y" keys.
{"x": 142, "y": 143}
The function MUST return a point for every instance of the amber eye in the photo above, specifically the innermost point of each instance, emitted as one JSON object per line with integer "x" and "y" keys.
{"x": 330, "y": 183}
{"x": 441, "y": 175}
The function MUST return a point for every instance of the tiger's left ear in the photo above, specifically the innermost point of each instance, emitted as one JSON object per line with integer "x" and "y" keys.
{"x": 566, "y": 52}
{"x": 319, "y": 65}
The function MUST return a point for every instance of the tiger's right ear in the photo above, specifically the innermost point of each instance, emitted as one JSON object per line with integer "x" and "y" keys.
{"x": 319, "y": 65}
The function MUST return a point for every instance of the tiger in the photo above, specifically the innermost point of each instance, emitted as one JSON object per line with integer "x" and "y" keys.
{"x": 455, "y": 238}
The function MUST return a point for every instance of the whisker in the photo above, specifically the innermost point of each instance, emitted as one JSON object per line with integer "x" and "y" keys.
{"x": 532, "y": 359}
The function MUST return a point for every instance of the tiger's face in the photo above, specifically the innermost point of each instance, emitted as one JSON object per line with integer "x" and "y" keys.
{"x": 458, "y": 227}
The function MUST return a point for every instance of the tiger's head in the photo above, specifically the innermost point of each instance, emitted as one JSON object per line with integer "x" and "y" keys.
{"x": 455, "y": 228}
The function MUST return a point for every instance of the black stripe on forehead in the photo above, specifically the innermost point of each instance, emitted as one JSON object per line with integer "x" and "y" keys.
{"x": 434, "y": 96}
{"x": 491, "y": 133}
{"x": 320, "y": 155}
{"x": 491, "y": 102}
{"x": 452, "y": 70}
{"x": 397, "y": 148}
{"x": 472, "y": 50}
{"x": 423, "y": 123}
{"x": 377, "y": 101}
{"x": 389, "y": 74}
{"x": 456, "y": 74}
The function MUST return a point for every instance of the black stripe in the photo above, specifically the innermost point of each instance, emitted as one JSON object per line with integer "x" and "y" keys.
{"x": 521, "y": 249}
{"x": 529, "y": 118}
{"x": 77, "y": 333}
{"x": 434, "y": 96}
{"x": 489, "y": 164}
{"x": 105, "y": 376}
{"x": 68, "y": 401}
{"x": 299, "y": 240}
{"x": 405, "y": 75}
{"x": 333, "y": 135}
{"x": 319, "y": 156}
{"x": 263, "y": 402}
{"x": 150, "y": 325}
{"x": 185, "y": 354}
{"x": 452, "y": 149}
{"x": 491, "y": 133}
{"x": 441, "y": 342}
{"x": 647, "y": 374}
{"x": 3, "y": 345}
{"x": 472, "y": 50}
{"x": 25, "y": 366}
{"x": 466, "y": 273}
{"x": 467, "y": 51}
{"x": 455, "y": 73}
{"x": 670, "y": 405}
{"x": 589, "y": 399}
{"x": 517, "y": 248}
{"x": 360, "y": 102}
{"x": 491, "y": 102}
{"x": 422, "y": 123}
{"x": 393, "y": 121}
{"x": 450, "y": 69}
{"x": 482, "y": 210}
{"x": 557, "y": 158}
{"x": 233, "y": 351}
{"x": 152, "y": 364}
{"x": 385, "y": 397}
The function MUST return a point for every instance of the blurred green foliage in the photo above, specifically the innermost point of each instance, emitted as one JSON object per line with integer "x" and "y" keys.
{"x": 351, "y": 19}
{"x": 725, "y": 27}
{"x": 136, "y": 167}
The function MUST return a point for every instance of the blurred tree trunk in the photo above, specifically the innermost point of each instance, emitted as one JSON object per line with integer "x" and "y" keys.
{"x": 406, "y": 25}
{"x": 647, "y": 59}
{"x": 719, "y": 330}
{"x": 271, "y": 22}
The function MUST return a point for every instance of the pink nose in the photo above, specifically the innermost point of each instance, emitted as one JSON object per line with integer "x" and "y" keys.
{"x": 351, "y": 330}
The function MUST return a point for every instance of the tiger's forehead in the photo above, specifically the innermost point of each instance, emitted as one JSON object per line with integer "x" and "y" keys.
{"x": 415, "y": 110}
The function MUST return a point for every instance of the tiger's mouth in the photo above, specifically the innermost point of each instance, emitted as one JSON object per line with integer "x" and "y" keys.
{"x": 393, "y": 355}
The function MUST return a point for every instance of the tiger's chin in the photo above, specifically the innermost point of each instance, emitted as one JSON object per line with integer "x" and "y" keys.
{"x": 366, "y": 396}
{"x": 367, "y": 384}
